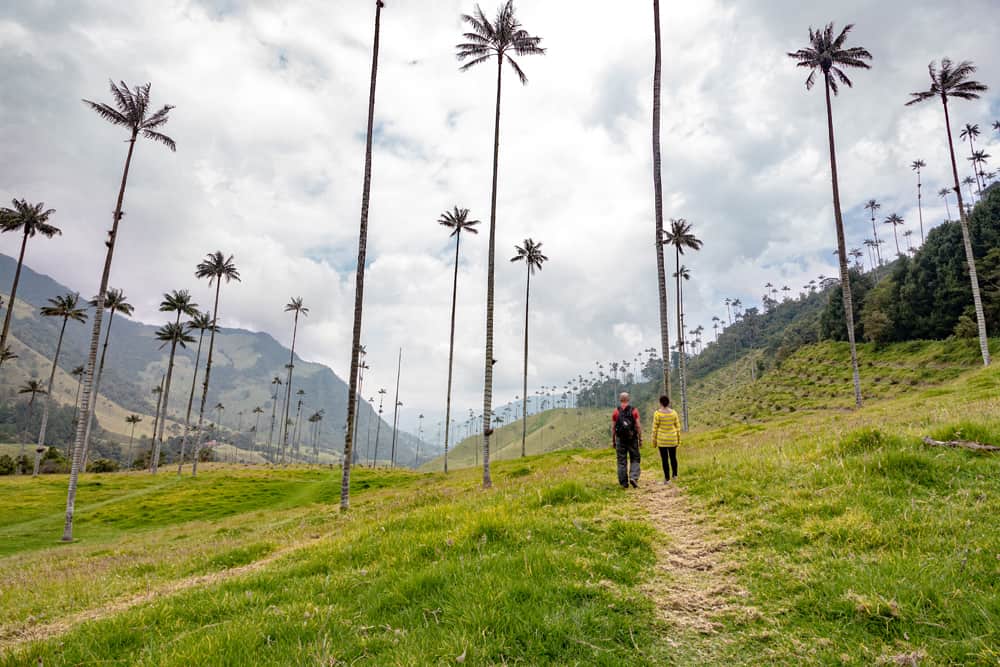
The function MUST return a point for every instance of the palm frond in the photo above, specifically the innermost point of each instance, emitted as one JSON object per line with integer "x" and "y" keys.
{"x": 476, "y": 61}
{"x": 517, "y": 70}
{"x": 123, "y": 98}
{"x": 108, "y": 114}
{"x": 158, "y": 118}
{"x": 162, "y": 138}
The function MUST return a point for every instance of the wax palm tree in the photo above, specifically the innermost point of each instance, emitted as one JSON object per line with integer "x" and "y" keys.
{"x": 219, "y": 407}
{"x": 134, "y": 113}
{"x": 970, "y": 133}
{"x": 827, "y": 54}
{"x": 907, "y": 234}
{"x": 531, "y": 254}
{"x": 33, "y": 387}
{"x": 216, "y": 267}
{"x": 857, "y": 254}
{"x": 954, "y": 81}
{"x": 916, "y": 166}
{"x": 943, "y": 194}
{"x": 895, "y": 221}
{"x": 132, "y": 420}
{"x": 378, "y": 429}
{"x": 661, "y": 279}
{"x": 294, "y": 305}
{"x": 978, "y": 160}
{"x": 78, "y": 374}
{"x": 873, "y": 206}
{"x": 681, "y": 238}
{"x": 486, "y": 41}
{"x": 258, "y": 411}
{"x": 172, "y": 334}
{"x": 969, "y": 181}
{"x": 276, "y": 382}
{"x": 29, "y": 220}
{"x": 68, "y": 308}
{"x": 158, "y": 392}
{"x": 359, "y": 281}
{"x": 201, "y": 322}
{"x": 115, "y": 301}
{"x": 457, "y": 220}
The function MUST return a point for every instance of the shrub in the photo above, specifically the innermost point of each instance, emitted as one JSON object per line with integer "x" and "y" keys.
{"x": 102, "y": 465}
{"x": 6, "y": 465}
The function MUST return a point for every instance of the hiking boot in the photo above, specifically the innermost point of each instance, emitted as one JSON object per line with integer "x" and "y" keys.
{"x": 634, "y": 483}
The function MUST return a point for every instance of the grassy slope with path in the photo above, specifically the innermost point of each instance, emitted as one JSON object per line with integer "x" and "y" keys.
{"x": 847, "y": 540}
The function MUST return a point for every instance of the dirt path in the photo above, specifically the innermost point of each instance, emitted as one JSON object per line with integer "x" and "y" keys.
{"x": 25, "y": 634}
{"x": 695, "y": 582}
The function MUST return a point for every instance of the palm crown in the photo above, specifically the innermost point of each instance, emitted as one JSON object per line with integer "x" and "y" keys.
{"x": 179, "y": 301}
{"x": 32, "y": 387}
{"x": 174, "y": 334}
{"x": 894, "y": 220}
{"x": 531, "y": 253}
{"x": 970, "y": 131}
{"x": 917, "y": 165}
{"x": 115, "y": 301}
{"x": 950, "y": 81}
{"x": 28, "y": 218}
{"x": 67, "y": 306}
{"x": 295, "y": 305}
{"x": 679, "y": 235}
{"x": 133, "y": 113}
{"x": 827, "y": 54}
{"x": 497, "y": 38}
{"x": 457, "y": 220}
{"x": 201, "y": 321}
{"x": 216, "y": 266}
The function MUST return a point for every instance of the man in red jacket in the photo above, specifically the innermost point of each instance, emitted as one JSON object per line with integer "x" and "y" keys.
{"x": 626, "y": 438}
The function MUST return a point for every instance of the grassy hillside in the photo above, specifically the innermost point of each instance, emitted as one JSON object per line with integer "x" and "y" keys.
{"x": 820, "y": 536}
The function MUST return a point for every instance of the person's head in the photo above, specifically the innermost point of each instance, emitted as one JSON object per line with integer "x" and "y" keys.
{"x": 665, "y": 401}
{"x": 623, "y": 398}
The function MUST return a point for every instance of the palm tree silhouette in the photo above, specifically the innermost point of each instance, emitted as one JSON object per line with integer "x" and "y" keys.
{"x": 681, "y": 238}
{"x": 907, "y": 234}
{"x": 216, "y": 267}
{"x": 970, "y": 133}
{"x": 916, "y": 166}
{"x": 132, "y": 420}
{"x": 978, "y": 160}
{"x": 294, "y": 305}
{"x": 256, "y": 427}
{"x": 531, "y": 254}
{"x": 954, "y": 81}
{"x": 68, "y": 308}
{"x": 943, "y": 194}
{"x": 116, "y": 302}
{"x": 486, "y": 41}
{"x": 33, "y": 387}
{"x": 298, "y": 415}
{"x": 359, "y": 280}
{"x": 131, "y": 113}
{"x": 378, "y": 429}
{"x": 172, "y": 334}
{"x": 827, "y": 54}
{"x": 276, "y": 383}
{"x": 78, "y": 374}
{"x": 895, "y": 221}
{"x": 457, "y": 220}
{"x": 873, "y": 206}
{"x": 202, "y": 322}
{"x": 29, "y": 219}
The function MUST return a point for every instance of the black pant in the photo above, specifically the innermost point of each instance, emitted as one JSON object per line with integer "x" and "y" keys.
{"x": 628, "y": 462}
{"x": 668, "y": 455}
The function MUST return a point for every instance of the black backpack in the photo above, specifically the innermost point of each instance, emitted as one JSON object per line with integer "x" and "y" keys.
{"x": 625, "y": 425}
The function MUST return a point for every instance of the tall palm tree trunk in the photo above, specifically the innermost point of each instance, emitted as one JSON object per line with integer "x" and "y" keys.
{"x": 967, "y": 243}
{"x": 288, "y": 387}
{"x": 395, "y": 412}
{"x": 155, "y": 463}
{"x": 86, "y": 405}
{"x": 128, "y": 457}
{"x": 13, "y": 293}
{"x": 27, "y": 424}
{"x": 359, "y": 281}
{"x": 52, "y": 381}
{"x": 378, "y": 431}
{"x": 208, "y": 374}
{"x": 524, "y": 390}
{"x": 270, "y": 435}
{"x": 845, "y": 279}
{"x": 920, "y": 206}
{"x": 681, "y": 354}
{"x": 256, "y": 428}
{"x": 895, "y": 236}
{"x": 97, "y": 390}
{"x": 451, "y": 349}
{"x": 187, "y": 415}
{"x": 156, "y": 418}
{"x": 295, "y": 431}
{"x": 490, "y": 280}
{"x": 661, "y": 276}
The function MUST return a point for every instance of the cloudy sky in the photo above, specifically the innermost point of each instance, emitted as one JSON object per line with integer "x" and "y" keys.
{"x": 271, "y": 101}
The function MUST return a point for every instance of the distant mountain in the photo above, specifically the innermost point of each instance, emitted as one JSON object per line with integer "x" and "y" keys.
{"x": 243, "y": 366}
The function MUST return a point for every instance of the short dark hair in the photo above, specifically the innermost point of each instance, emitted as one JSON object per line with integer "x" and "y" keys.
{"x": 665, "y": 401}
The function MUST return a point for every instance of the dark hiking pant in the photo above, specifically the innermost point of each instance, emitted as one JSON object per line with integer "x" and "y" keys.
{"x": 628, "y": 461}
{"x": 668, "y": 455}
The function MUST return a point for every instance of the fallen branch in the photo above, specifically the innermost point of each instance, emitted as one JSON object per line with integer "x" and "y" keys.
{"x": 964, "y": 444}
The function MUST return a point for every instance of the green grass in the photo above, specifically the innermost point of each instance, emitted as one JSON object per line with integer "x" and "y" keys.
{"x": 854, "y": 542}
